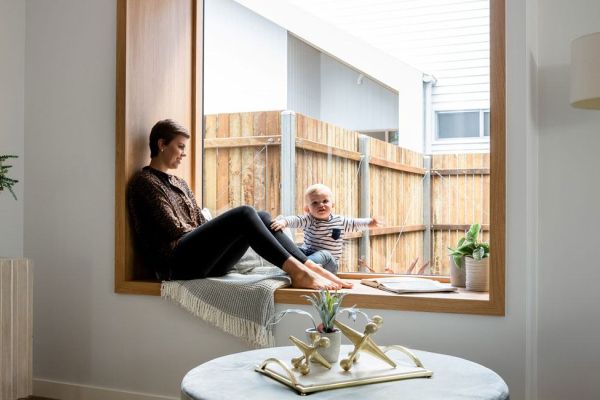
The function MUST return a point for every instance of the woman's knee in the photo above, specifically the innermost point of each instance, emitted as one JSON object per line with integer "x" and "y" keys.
{"x": 245, "y": 210}
{"x": 265, "y": 217}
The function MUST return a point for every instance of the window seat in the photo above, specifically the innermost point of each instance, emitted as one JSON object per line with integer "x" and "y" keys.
{"x": 463, "y": 302}
{"x": 369, "y": 297}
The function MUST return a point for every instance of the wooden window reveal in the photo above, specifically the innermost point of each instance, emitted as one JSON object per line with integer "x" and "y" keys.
{"x": 159, "y": 75}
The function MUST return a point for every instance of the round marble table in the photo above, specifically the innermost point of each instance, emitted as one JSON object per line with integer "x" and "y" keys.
{"x": 233, "y": 377}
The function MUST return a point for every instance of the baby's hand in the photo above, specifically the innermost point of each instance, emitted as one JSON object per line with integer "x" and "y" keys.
{"x": 375, "y": 222}
{"x": 278, "y": 224}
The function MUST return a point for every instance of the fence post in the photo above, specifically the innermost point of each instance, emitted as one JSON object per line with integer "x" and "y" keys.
{"x": 427, "y": 249}
{"x": 365, "y": 194}
{"x": 287, "y": 185}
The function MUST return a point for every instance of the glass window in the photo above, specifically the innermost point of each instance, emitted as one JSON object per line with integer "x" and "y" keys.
{"x": 458, "y": 124}
{"x": 243, "y": 165}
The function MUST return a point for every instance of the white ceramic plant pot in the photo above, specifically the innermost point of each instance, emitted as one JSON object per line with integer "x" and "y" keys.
{"x": 331, "y": 353}
{"x": 478, "y": 276}
{"x": 457, "y": 273}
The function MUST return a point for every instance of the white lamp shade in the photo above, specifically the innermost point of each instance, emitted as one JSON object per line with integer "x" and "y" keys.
{"x": 585, "y": 71}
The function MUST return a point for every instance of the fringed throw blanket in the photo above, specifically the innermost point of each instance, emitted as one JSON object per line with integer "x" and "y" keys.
{"x": 239, "y": 304}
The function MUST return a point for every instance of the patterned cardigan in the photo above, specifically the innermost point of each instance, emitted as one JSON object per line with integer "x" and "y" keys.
{"x": 162, "y": 209}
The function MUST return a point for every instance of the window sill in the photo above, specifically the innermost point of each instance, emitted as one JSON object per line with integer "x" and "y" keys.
{"x": 461, "y": 302}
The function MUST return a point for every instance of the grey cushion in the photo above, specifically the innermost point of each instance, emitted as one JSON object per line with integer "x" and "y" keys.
{"x": 248, "y": 262}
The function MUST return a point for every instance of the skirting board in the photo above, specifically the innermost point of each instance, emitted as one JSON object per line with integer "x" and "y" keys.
{"x": 72, "y": 391}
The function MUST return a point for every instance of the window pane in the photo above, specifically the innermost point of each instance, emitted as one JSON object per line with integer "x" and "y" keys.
{"x": 394, "y": 137}
{"x": 458, "y": 124}
{"x": 486, "y": 123}
{"x": 243, "y": 163}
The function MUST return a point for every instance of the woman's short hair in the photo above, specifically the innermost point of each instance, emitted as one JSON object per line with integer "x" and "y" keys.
{"x": 166, "y": 130}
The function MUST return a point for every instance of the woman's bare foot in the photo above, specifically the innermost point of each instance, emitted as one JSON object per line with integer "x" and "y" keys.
{"x": 310, "y": 280}
{"x": 317, "y": 268}
{"x": 304, "y": 278}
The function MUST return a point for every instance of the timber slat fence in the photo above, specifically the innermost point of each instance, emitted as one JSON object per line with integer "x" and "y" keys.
{"x": 243, "y": 164}
{"x": 460, "y": 196}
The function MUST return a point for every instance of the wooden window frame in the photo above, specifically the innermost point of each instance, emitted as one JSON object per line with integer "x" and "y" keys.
{"x": 492, "y": 303}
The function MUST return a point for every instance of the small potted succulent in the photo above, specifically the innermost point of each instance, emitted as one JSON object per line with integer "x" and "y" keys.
{"x": 327, "y": 304}
{"x": 472, "y": 257}
{"x": 5, "y": 181}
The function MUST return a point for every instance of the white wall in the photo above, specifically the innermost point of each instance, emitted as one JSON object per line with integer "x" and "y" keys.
{"x": 569, "y": 316}
{"x": 324, "y": 88}
{"x": 410, "y": 115}
{"x": 530, "y": 149}
{"x": 87, "y": 335}
{"x": 304, "y": 78}
{"x": 12, "y": 88}
{"x": 356, "y": 103}
{"x": 245, "y": 61}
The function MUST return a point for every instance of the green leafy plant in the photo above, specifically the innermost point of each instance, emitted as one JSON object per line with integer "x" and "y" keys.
{"x": 5, "y": 181}
{"x": 469, "y": 246}
{"x": 327, "y": 305}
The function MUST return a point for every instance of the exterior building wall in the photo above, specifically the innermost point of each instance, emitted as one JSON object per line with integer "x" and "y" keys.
{"x": 325, "y": 88}
{"x": 304, "y": 78}
{"x": 245, "y": 60}
{"x": 354, "y": 101}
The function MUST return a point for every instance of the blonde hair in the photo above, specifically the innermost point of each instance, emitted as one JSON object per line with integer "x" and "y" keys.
{"x": 317, "y": 187}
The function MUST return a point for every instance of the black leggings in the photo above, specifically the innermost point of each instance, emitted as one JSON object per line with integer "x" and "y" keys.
{"x": 213, "y": 248}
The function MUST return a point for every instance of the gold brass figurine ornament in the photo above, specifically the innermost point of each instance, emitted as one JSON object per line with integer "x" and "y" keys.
{"x": 363, "y": 342}
{"x": 310, "y": 353}
{"x": 370, "y": 370}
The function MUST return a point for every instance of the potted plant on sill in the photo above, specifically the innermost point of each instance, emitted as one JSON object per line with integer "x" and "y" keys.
{"x": 5, "y": 181}
{"x": 469, "y": 261}
{"x": 327, "y": 304}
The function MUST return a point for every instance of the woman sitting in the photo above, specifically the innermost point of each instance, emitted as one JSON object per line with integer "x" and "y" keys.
{"x": 173, "y": 232}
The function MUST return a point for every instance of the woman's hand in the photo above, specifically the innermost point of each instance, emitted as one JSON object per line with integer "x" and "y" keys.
{"x": 278, "y": 224}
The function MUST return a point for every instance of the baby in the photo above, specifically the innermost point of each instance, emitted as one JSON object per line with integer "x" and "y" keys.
{"x": 323, "y": 230}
